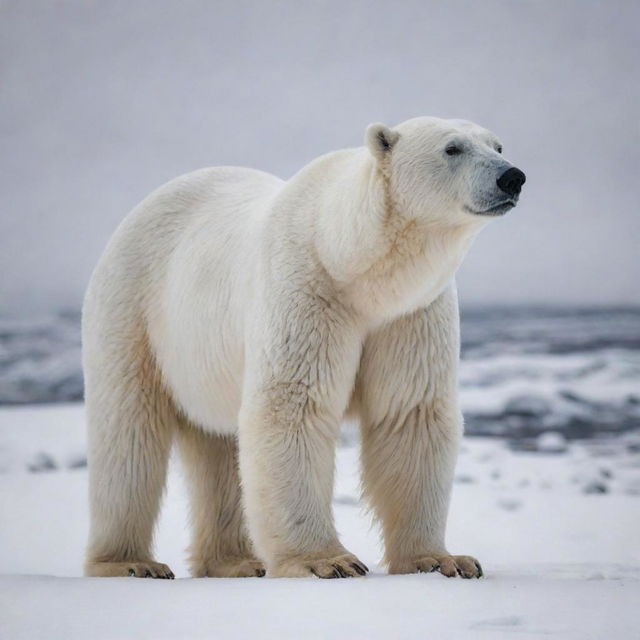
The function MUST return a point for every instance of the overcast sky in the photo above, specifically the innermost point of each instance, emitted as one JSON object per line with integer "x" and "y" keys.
{"x": 100, "y": 102}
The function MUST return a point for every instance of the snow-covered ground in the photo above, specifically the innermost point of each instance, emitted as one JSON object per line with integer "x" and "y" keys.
{"x": 557, "y": 533}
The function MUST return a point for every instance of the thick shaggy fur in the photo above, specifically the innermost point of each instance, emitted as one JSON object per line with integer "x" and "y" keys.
{"x": 244, "y": 317}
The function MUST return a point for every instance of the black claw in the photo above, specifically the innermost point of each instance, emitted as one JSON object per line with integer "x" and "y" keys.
{"x": 132, "y": 572}
{"x": 335, "y": 574}
{"x": 340, "y": 570}
{"x": 434, "y": 568}
{"x": 171, "y": 576}
{"x": 260, "y": 573}
{"x": 464, "y": 574}
{"x": 479, "y": 568}
{"x": 147, "y": 574}
{"x": 359, "y": 569}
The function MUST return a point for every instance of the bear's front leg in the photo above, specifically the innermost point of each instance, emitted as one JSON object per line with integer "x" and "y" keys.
{"x": 299, "y": 375}
{"x": 411, "y": 427}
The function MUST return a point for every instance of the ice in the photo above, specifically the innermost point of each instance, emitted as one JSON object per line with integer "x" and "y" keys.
{"x": 551, "y": 442}
{"x": 40, "y": 360}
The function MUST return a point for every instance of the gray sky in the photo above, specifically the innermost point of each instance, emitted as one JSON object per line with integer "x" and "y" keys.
{"x": 100, "y": 102}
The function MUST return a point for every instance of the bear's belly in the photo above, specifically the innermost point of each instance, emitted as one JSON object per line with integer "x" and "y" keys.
{"x": 196, "y": 325}
{"x": 196, "y": 311}
{"x": 197, "y": 336}
{"x": 210, "y": 401}
{"x": 202, "y": 367}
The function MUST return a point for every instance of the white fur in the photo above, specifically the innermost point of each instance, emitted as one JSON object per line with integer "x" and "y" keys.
{"x": 233, "y": 308}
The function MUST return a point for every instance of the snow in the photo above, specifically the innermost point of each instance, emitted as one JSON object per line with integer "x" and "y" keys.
{"x": 510, "y": 603}
{"x": 559, "y": 558}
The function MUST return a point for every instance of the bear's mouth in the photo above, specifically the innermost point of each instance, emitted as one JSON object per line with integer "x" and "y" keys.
{"x": 496, "y": 210}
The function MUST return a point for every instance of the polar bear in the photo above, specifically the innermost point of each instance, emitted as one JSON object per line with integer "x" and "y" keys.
{"x": 245, "y": 317}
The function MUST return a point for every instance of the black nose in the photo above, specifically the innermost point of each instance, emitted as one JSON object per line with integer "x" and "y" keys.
{"x": 511, "y": 181}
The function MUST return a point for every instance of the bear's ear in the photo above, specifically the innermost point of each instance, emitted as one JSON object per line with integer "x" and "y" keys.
{"x": 380, "y": 140}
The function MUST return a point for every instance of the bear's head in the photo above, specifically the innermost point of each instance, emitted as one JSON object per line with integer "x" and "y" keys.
{"x": 445, "y": 170}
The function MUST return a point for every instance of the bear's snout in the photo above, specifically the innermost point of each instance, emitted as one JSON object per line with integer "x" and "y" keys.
{"x": 511, "y": 181}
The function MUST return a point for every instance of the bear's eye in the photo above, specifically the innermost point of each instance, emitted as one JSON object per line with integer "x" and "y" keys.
{"x": 453, "y": 150}
{"x": 499, "y": 148}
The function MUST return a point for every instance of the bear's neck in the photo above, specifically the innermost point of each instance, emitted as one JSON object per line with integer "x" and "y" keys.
{"x": 384, "y": 262}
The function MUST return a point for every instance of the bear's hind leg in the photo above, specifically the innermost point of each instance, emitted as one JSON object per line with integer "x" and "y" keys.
{"x": 131, "y": 420}
{"x": 220, "y": 545}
